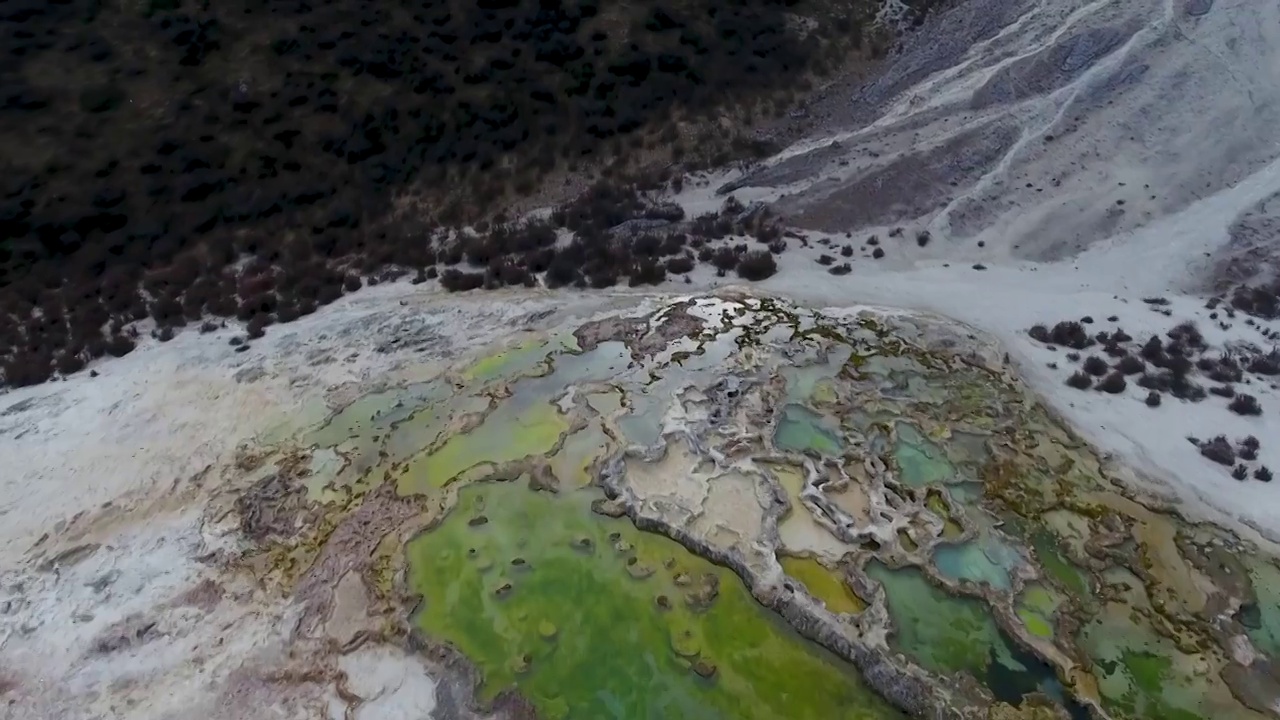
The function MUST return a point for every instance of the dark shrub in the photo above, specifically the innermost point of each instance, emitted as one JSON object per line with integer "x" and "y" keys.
{"x": 841, "y": 269}
{"x": 509, "y": 273}
{"x": 1263, "y": 302}
{"x": 1073, "y": 356}
{"x": 1225, "y": 391}
{"x": 847, "y": 251}
{"x": 1183, "y": 389}
{"x": 1219, "y": 450}
{"x": 1080, "y": 381}
{"x": 256, "y": 327}
{"x": 1263, "y": 473}
{"x": 459, "y": 281}
{"x": 646, "y": 245}
{"x": 1040, "y": 333}
{"x": 1071, "y": 334}
{"x": 1153, "y": 349}
{"x": 68, "y": 363}
{"x": 877, "y": 253}
{"x": 287, "y": 312}
{"x": 351, "y": 283}
{"x": 1153, "y": 399}
{"x": 1095, "y": 366}
{"x": 1158, "y": 381}
{"x": 1188, "y": 335}
{"x": 757, "y": 265}
{"x": 723, "y": 258}
{"x": 1268, "y": 364}
{"x": 1240, "y": 472}
{"x": 923, "y": 238}
{"x": 562, "y": 271}
{"x": 673, "y": 244}
{"x": 1245, "y": 404}
{"x": 825, "y": 259}
{"x": 27, "y": 368}
{"x": 1113, "y": 383}
{"x": 680, "y": 265}
{"x": 328, "y": 293}
{"x": 1114, "y": 350}
{"x": 1119, "y": 336}
{"x": 120, "y": 345}
{"x": 1130, "y": 365}
{"x": 647, "y": 272}
{"x": 1179, "y": 365}
{"x": 1223, "y": 369}
{"x": 603, "y": 278}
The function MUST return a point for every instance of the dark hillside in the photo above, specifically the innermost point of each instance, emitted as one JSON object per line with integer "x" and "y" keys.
{"x": 149, "y": 149}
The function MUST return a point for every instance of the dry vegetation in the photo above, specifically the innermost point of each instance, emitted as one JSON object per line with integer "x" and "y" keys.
{"x": 184, "y": 159}
{"x": 1180, "y": 364}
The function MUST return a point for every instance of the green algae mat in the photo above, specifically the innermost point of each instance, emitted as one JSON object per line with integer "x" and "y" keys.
{"x": 591, "y": 618}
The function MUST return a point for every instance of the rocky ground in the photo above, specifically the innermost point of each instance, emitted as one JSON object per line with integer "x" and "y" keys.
{"x": 119, "y": 599}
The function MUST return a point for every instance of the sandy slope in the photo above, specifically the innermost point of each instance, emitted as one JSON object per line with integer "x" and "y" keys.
{"x": 1024, "y": 124}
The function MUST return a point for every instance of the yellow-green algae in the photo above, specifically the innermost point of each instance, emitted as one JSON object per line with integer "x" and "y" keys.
{"x": 572, "y": 465}
{"x": 1036, "y": 607}
{"x": 521, "y": 358}
{"x": 951, "y": 529}
{"x": 1057, "y": 566}
{"x": 505, "y": 435}
{"x": 824, "y": 584}
{"x": 426, "y": 427}
{"x": 508, "y": 563}
{"x": 376, "y": 412}
{"x": 1144, "y": 674}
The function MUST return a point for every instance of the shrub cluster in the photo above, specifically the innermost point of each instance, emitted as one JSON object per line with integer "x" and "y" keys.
{"x": 1261, "y": 300}
{"x": 177, "y": 159}
{"x": 1162, "y": 364}
{"x": 1220, "y": 451}
{"x": 1067, "y": 333}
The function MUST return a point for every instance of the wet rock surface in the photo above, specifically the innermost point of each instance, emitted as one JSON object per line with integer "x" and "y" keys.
{"x": 965, "y": 553}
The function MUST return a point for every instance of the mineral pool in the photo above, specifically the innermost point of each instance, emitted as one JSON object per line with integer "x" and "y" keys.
{"x": 884, "y": 477}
